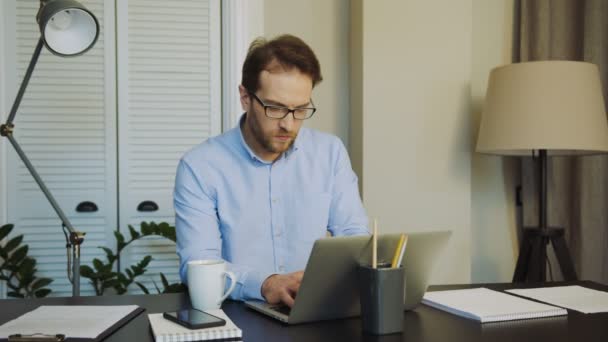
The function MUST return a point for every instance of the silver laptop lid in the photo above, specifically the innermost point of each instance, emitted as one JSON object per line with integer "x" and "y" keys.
{"x": 329, "y": 288}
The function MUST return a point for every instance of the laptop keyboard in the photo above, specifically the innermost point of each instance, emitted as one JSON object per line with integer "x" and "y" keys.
{"x": 284, "y": 309}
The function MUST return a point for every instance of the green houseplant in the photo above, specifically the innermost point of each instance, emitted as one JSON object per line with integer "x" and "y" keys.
{"x": 18, "y": 269}
{"x": 104, "y": 275}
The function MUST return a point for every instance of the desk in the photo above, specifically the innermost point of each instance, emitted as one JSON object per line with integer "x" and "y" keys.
{"x": 422, "y": 324}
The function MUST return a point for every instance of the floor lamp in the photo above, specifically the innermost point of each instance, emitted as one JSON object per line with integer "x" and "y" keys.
{"x": 66, "y": 29}
{"x": 543, "y": 109}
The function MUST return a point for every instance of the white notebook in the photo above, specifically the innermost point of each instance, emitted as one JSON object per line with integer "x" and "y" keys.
{"x": 487, "y": 305}
{"x": 574, "y": 297}
{"x": 167, "y": 331}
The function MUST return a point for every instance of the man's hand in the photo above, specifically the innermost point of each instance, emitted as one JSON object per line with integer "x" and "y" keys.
{"x": 282, "y": 288}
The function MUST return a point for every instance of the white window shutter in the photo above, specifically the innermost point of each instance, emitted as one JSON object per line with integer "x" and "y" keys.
{"x": 169, "y": 100}
{"x": 66, "y": 125}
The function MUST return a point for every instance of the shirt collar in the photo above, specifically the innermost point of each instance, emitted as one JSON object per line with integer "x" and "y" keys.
{"x": 294, "y": 147}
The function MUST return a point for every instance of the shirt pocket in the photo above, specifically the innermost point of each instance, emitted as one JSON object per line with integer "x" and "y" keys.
{"x": 312, "y": 215}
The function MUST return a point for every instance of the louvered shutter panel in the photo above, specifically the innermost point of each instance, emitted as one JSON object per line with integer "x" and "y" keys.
{"x": 169, "y": 101}
{"x": 66, "y": 125}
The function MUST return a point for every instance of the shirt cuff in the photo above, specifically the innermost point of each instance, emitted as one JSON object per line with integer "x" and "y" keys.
{"x": 252, "y": 288}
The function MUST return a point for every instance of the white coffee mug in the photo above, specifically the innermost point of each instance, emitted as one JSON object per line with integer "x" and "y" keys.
{"x": 206, "y": 281}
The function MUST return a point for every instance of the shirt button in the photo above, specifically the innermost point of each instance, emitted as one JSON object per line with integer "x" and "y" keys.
{"x": 275, "y": 200}
{"x": 282, "y": 268}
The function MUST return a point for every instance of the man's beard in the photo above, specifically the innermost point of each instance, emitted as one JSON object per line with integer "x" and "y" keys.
{"x": 266, "y": 141}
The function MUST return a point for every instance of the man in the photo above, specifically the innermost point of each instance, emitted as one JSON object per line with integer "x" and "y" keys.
{"x": 260, "y": 194}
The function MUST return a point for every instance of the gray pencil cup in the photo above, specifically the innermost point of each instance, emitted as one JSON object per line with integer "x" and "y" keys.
{"x": 381, "y": 295}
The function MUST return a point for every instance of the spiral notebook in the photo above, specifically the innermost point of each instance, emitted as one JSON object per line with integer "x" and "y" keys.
{"x": 167, "y": 331}
{"x": 487, "y": 305}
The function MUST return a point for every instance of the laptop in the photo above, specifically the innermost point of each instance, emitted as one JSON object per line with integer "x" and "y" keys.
{"x": 329, "y": 288}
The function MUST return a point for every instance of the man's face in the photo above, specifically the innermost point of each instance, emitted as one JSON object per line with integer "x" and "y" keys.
{"x": 287, "y": 88}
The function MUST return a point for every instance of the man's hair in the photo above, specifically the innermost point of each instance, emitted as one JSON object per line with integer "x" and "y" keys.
{"x": 285, "y": 52}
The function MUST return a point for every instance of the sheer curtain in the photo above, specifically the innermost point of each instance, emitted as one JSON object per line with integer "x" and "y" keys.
{"x": 578, "y": 186}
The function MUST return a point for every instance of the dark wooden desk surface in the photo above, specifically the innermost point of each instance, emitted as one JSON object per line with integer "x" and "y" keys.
{"x": 422, "y": 324}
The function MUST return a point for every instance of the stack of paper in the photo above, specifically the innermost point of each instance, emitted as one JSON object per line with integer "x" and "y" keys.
{"x": 165, "y": 330}
{"x": 571, "y": 297}
{"x": 486, "y": 305}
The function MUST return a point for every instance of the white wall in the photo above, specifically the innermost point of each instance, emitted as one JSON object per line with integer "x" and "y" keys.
{"x": 324, "y": 25}
{"x": 415, "y": 73}
{"x": 493, "y": 220}
{"x": 415, "y": 121}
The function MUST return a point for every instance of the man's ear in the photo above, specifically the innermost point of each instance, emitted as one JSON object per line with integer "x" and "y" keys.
{"x": 244, "y": 97}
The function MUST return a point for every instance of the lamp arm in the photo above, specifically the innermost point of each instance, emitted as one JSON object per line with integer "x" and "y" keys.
{"x": 26, "y": 80}
{"x": 41, "y": 184}
{"x": 75, "y": 238}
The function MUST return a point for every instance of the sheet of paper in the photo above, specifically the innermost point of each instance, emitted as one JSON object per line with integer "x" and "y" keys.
{"x": 72, "y": 321}
{"x": 487, "y": 305}
{"x": 574, "y": 297}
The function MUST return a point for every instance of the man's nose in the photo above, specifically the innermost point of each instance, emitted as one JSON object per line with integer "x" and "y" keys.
{"x": 287, "y": 122}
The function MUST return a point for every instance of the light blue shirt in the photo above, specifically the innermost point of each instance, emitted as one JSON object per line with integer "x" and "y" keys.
{"x": 263, "y": 217}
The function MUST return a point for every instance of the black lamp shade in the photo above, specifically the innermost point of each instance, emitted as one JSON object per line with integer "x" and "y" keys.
{"x": 67, "y": 27}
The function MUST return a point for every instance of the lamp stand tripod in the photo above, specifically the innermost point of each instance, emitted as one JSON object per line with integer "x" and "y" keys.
{"x": 532, "y": 260}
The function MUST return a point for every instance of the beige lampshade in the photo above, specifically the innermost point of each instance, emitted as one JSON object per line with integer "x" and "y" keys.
{"x": 553, "y": 105}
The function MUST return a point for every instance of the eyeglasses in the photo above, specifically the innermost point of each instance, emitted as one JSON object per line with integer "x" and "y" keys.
{"x": 280, "y": 112}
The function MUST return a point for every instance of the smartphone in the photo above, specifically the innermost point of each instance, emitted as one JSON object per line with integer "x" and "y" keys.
{"x": 194, "y": 319}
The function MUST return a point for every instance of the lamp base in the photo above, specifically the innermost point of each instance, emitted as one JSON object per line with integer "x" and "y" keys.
{"x": 531, "y": 263}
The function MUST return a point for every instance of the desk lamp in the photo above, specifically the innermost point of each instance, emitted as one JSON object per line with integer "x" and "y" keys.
{"x": 541, "y": 109}
{"x": 66, "y": 29}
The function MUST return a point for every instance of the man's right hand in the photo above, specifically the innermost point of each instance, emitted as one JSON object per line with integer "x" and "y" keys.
{"x": 282, "y": 288}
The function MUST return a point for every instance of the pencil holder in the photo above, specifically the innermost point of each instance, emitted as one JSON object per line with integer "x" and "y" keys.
{"x": 381, "y": 293}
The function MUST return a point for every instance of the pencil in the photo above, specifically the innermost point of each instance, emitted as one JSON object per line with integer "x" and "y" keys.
{"x": 375, "y": 245}
{"x": 398, "y": 251}
{"x": 402, "y": 252}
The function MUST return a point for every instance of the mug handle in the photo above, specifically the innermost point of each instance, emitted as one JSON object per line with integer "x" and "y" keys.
{"x": 232, "y": 278}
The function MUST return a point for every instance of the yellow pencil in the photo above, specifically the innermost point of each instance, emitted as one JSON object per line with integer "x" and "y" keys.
{"x": 402, "y": 252}
{"x": 398, "y": 251}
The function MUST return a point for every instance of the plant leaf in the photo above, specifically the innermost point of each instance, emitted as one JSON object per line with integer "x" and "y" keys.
{"x": 120, "y": 241}
{"x": 13, "y": 243}
{"x": 120, "y": 290}
{"x": 144, "y": 263}
{"x": 5, "y": 230}
{"x": 18, "y": 255}
{"x": 87, "y": 272}
{"x": 155, "y": 228}
{"x": 134, "y": 233}
{"x": 40, "y": 283}
{"x": 164, "y": 280}
{"x": 98, "y": 265}
{"x": 27, "y": 265}
{"x": 175, "y": 288}
{"x": 145, "y": 228}
{"x": 104, "y": 276}
{"x": 109, "y": 254}
{"x": 156, "y": 286}
{"x": 142, "y": 287}
{"x": 42, "y": 293}
{"x": 111, "y": 283}
{"x": 15, "y": 294}
{"x": 122, "y": 278}
{"x": 167, "y": 231}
